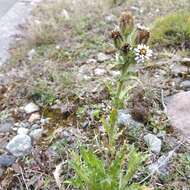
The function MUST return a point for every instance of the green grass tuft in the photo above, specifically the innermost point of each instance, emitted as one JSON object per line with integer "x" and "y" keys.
{"x": 172, "y": 30}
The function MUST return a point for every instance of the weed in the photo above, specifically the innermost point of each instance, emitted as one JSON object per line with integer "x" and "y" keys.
{"x": 42, "y": 93}
{"x": 60, "y": 54}
{"x": 93, "y": 173}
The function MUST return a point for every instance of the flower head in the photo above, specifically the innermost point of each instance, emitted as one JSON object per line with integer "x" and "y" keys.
{"x": 117, "y": 38}
{"x": 142, "y": 35}
{"x": 142, "y": 53}
{"x": 126, "y": 48}
{"x": 126, "y": 22}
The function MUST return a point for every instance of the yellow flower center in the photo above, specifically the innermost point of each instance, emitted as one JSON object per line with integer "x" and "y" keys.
{"x": 143, "y": 51}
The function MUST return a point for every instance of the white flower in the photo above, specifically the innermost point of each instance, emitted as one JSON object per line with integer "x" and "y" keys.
{"x": 142, "y": 53}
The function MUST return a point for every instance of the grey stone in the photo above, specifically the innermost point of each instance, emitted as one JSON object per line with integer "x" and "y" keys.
{"x": 178, "y": 112}
{"x": 36, "y": 134}
{"x": 177, "y": 70}
{"x": 101, "y": 57}
{"x": 125, "y": 119}
{"x": 31, "y": 108}
{"x": 20, "y": 145}
{"x": 70, "y": 134}
{"x": 185, "y": 85}
{"x": 22, "y": 125}
{"x": 6, "y": 160}
{"x": 35, "y": 126}
{"x": 85, "y": 125}
{"x": 91, "y": 61}
{"x": 6, "y": 127}
{"x": 162, "y": 135}
{"x": 153, "y": 142}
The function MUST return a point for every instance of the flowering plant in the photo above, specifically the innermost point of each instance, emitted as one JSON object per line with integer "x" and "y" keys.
{"x": 109, "y": 171}
{"x": 130, "y": 43}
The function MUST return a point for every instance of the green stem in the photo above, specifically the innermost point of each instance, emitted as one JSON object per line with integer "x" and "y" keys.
{"x": 121, "y": 83}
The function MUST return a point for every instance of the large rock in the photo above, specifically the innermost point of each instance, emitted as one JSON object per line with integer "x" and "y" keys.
{"x": 178, "y": 111}
{"x": 20, "y": 145}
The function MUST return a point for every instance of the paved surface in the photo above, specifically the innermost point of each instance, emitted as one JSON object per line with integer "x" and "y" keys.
{"x": 12, "y": 14}
{"x": 5, "y": 5}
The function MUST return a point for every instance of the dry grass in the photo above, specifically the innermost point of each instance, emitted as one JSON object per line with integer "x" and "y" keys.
{"x": 50, "y": 22}
{"x": 148, "y": 10}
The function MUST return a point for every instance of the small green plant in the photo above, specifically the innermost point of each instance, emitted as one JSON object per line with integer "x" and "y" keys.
{"x": 60, "y": 54}
{"x": 172, "y": 30}
{"x": 92, "y": 173}
{"x": 43, "y": 93}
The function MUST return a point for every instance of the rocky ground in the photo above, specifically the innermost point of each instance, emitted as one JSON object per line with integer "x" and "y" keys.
{"x": 58, "y": 84}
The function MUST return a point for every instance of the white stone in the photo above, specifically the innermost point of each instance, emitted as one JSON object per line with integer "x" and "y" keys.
{"x": 65, "y": 14}
{"x": 44, "y": 121}
{"x": 31, "y": 108}
{"x": 22, "y": 131}
{"x": 115, "y": 73}
{"x": 110, "y": 18}
{"x": 31, "y": 54}
{"x": 99, "y": 72}
{"x": 101, "y": 57}
{"x": 34, "y": 117}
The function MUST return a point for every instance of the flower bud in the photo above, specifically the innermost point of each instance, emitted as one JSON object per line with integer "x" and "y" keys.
{"x": 142, "y": 35}
{"x": 126, "y": 23}
{"x": 117, "y": 38}
{"x": 126, "y": 48}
